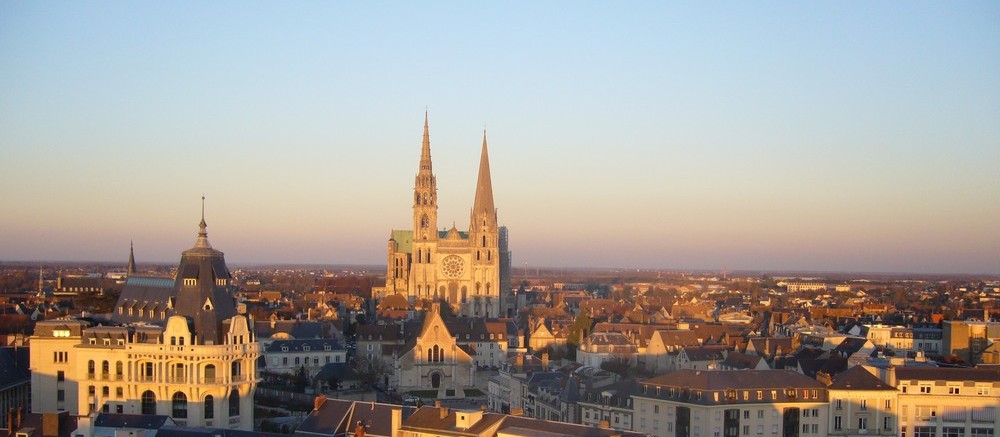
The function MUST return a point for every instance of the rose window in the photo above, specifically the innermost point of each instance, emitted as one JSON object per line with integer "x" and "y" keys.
{"x": 453, "y": 266}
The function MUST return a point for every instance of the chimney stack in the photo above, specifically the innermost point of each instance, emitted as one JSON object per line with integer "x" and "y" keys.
{"x": 444, "y": 412}
{"x": 437, "y": 403}
{"x": 318, "y": 402}
{"x": 545, "y": 361}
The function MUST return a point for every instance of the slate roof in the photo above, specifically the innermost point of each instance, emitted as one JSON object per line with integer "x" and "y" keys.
{"x": 314, "y": 344}
{"x": 857, "y": 378}
{"x": 184, "y": 431}
{"x": 739, "y": 360}
{"x": 338, "y": 417}
{"x": 139, "y": 421}
{"x": 948, "y": 374}
{"x": 686, "y": 385}
{"x": 14, "y": 367}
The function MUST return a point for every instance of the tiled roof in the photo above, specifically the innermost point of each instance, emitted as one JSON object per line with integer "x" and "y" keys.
{"x": 858, "y": 378}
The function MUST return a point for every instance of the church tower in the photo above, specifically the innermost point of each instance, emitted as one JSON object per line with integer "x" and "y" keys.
{"x": 483, "y": 240}
{"x": 425, "y": 234}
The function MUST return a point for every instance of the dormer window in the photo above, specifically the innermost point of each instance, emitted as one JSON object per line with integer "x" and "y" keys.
{"x": 208, "y": 305}
{"x": 284, "y": 348}
{"x": 220, "y": 282}
{"x": 326, "y": 347}
{"x": 60, "y": 333}
{"x": 190, "y": 281}
{"x": 306, "y": 348}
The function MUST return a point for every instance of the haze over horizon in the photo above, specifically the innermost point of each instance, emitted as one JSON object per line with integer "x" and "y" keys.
{"x": 766, "y": 136}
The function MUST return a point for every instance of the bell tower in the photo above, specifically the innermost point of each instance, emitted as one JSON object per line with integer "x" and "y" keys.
{"x": 425, "y": 234}
{"x": 483, "y": 244}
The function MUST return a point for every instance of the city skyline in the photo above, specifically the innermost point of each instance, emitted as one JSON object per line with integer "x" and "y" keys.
{"x": 819, "y": 137}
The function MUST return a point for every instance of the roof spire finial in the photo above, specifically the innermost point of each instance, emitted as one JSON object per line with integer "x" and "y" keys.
{"x": 202, "y": 233}
{"x": 131, "y": 258}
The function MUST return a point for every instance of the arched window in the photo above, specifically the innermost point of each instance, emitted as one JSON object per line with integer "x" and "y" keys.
{"x": 148, "y": 402}
{"x": 234, "y": 403}
{"x": 210, "y": 373}
{"x": 90, "y": 368}
{"x": 105, "y": 369}
{"x": 118, "y": 370}
{"x": 209, "y": 407}
{"x": 484, "y": 241}
{"x": 437, "y": 354}
{"x": 180, "y": 406}
{"x": 235, "y": 369}
{"x": 430, "y": 357}
{"x": 420, "y": 255}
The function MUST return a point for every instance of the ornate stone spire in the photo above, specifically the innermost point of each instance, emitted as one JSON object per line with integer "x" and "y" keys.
{"x": 425, "y": 149}
{"x": 484, "y": 187}
{"x": 202, "y": 233}
{"x": 131, "y": 258}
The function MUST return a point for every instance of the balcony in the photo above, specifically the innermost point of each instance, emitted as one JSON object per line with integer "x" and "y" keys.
{"x": 863, "y": 432}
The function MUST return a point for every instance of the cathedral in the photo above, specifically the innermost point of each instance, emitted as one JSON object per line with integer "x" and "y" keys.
{"x": 460, "y": 268}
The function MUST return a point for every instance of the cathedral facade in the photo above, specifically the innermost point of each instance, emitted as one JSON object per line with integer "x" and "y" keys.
{"x": 460, "y": 268}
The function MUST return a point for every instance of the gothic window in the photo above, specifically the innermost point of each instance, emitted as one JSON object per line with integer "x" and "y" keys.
{"x": 430, "y": 357}
{"x": 424, "y": 222}
{"x": 484, "y": 240}
{"x": 437, "y": 354}
{"x": 416, "y": 197}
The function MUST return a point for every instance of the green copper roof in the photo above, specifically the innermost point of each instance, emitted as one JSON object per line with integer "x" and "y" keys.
{"x": 404, "y": 239}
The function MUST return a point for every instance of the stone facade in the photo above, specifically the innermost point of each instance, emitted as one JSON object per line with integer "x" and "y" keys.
{"x": 461, "y": 268}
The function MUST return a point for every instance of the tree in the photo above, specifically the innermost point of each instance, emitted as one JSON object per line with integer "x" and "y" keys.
{"x": 300, "y": 380}
{"x": 369, "y": 371}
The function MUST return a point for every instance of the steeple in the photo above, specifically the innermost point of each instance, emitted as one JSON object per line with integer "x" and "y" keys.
{"x": 425, "y": 149}
{"x": 484, "y": 189}
{"x": 131, "y": 258}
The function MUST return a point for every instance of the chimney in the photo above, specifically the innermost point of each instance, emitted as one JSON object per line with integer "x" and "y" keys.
{"x": 318, "y": 402}
{"x": 18, "y": 424}
{"x": 482, "y": 408}
{"x": 437, "y": 403}
{"x": 516, "y": 412}
{"x": 10, "y": 420}
{"x": 397, "y": 420}
{"x": 545, "y": 361}
{"x": 444, "y": 412}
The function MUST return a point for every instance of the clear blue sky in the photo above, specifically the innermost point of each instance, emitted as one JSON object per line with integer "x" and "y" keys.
{"x": 738, "y": 135}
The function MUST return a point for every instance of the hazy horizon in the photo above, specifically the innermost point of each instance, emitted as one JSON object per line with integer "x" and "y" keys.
{"x": 726, "y": 136}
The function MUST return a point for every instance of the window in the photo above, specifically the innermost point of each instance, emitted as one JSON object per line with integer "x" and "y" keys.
{"x": 924, "y": 389}
{"x": 209, "y": 407}
{"x": 815, "y": 428}
{"x": 234, "y": 403}
{"x": 106, "y": 392}
{"x": 838, "y": 423}
{"x": 923, "y": 431}
{"x": 656, "y": 409}
{"x": 864, "y": 404}
{"x": 839, "y": 404}
{"x": 982, "y": 432}
{"x": 926, "y": 413}
{"x": 179, "y": 404}
{"x": 760, "y": 414}
{"x": 953, "y": 390}
{"x": 862, "y": 423}
{"x": 148, "y": 402}
{"x": 887, "y": 423}
{"x": 888, "y": 404}
{"x": 953, "y": 431}
{"x": 119, "y": 392}
{"x": 60, "y": 395}
{"x": 746, "y": 415}
{"x": 60, "y": 376}
{"x": 982, "y": 391}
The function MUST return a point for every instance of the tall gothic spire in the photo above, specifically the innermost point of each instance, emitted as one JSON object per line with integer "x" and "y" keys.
{"x": 425, "y": 149}
{"x": 484, "y": 187}
{"x": 131, "y": 258}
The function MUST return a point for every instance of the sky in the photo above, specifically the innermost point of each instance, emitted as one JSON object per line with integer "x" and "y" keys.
{"x": 829, "y": 136}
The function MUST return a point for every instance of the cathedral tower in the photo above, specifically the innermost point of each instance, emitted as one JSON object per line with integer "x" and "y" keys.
{"x": 425, "y": 234}
{"x": 483, "y": 242}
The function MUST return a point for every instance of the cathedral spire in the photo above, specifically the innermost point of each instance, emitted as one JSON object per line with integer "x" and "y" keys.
{"x": 425, "y": 148}
{"x": 484, "y": 187}
{"x": 131, "y": 258}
